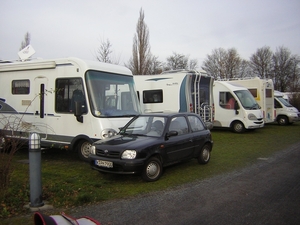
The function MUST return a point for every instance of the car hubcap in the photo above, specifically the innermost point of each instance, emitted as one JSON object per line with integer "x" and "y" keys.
{"x": 205, "y": 154}
{"x": 152, "y": 170}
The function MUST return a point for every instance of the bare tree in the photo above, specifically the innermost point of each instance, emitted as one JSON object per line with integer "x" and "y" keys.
{"x": 294, "y": 84}
{"x": 282, "y": 67}
{"x": 156, "y": 66}
{"x": 261, "y": 62}
{"x": 26, "y": 41}
{"x": 177, "y": 61}
{"x": 232, "y": 63}
{"x": 224, "y": 64}
{"x": 104, "y": 52}
{"x": 193, "y": 64}
{"x": 141, "y": 55}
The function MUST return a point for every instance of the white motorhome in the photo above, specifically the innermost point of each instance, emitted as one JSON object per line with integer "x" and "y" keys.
{"x": 263, "y": 92}
{"x": 69, "y": 102}
{"x": 235, "y": 107}
{"x": 176, "y": 91}
{"x": 285, "y": 112}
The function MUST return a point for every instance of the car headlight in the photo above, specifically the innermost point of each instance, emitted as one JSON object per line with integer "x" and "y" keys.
{"x": 128, "y": 154}
{"x": 252, "y": 117}
{"x": 93, "y": 150}
{"x": 107, "y": 133}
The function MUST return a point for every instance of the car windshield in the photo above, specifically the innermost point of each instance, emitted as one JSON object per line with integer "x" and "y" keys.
{"x": 247, "y": 99}
{"x": 146, "y": 126}
{"x": 112, "y": 95}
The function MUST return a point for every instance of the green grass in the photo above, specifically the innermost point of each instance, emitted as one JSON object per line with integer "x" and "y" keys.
{"x": 68, "y": 182}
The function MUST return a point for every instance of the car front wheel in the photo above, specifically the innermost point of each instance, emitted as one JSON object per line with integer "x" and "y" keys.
{"x": 204, "y": 155}
{"x": 152, "y": 170}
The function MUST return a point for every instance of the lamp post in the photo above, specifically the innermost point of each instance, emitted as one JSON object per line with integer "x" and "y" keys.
{"x": 35, "y": 171}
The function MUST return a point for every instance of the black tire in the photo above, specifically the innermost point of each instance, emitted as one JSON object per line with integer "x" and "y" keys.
{"x": 204, "y": 154}
{"x": 84, "y": 149}
{"x": 282, "y": 120}
{"x": 152, "y": 170}
{"x": 238, "y": 127}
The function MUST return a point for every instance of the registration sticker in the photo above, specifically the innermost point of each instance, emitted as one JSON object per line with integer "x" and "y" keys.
{"x": 102, "y": 163}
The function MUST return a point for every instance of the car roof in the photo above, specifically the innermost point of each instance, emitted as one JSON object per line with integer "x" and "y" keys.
{"x": 168, "y": 114}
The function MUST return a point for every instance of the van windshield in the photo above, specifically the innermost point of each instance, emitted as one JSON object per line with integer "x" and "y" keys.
{"x": 111, "y": 95}
{"x": 247, "y": 99}
{"x": 284, "y": 102}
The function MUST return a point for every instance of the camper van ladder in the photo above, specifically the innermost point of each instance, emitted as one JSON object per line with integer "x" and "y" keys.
{"x": 197, "y": 94}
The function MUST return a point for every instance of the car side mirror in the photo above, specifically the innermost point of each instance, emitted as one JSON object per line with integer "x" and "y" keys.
{"x": 171, "y": 133}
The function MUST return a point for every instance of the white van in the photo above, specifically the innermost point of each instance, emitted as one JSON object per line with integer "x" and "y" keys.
{"x": 285, "y": 112}
{"x": 69, "y": 102}
{"x": 235, "y": 107}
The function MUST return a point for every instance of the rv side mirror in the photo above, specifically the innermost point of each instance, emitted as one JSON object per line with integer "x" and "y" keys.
{"x": 78, "y": 111}
{"x": 236, "y": 107}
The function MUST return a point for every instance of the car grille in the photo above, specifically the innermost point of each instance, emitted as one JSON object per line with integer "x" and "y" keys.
{"x": 105, "y": 153}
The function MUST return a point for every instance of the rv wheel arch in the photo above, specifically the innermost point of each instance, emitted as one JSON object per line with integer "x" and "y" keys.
{"x": 82, "y": 145}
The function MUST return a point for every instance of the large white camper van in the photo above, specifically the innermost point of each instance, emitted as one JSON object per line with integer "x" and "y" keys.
{"x": 176, "y": 91}
{"x": 263, "y": 92}
{"x": 235, "y": 107}
{"x": 285, "y": 112}
{"x": 69, "y": 102}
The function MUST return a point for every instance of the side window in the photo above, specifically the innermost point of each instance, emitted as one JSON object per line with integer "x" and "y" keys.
{"x": 68, "y": 91}
{"x": 227, "y": 101}
{"x": 153, "y": 96}
{"x": 179, "y": 124}
{"x": 277, "y": 104}
{"x": 196, "y": 123}
{"x": 20, "y": 87}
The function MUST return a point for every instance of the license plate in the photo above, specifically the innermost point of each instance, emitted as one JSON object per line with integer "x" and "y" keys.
{"x": 102, "y": 163}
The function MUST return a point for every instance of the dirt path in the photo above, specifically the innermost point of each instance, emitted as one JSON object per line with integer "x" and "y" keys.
{"x": 267, "y": 192}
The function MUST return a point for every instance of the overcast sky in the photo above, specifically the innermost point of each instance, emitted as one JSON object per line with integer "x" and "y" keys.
{"x": 63, "y": 28}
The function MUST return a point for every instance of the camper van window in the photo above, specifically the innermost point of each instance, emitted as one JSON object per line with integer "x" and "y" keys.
{"x": 226, "y": 100}
{"x": 269, "y": 93}
{"x": 153, "y": 96}
{"x": 20, "y": 87}
{"x": 253, "y": 91}
{"x": 69, "y": 91}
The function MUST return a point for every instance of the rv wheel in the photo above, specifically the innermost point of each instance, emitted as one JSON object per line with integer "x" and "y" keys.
{"x": 238, "y": 127}
{"x": 282, "y": 120}
{"x": 84, "y": 149}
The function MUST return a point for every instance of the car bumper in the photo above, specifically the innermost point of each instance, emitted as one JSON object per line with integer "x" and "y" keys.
{"x": 118, "y": 166}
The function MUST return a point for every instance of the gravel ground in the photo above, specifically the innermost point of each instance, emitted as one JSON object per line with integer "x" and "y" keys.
{"x": 268, "y": 192}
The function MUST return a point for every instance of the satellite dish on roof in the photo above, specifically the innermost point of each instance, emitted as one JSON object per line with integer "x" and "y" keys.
{"x": 26, "y": 52}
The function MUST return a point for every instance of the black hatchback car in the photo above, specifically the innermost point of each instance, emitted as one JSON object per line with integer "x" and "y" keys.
{"x": 149, "y": 142}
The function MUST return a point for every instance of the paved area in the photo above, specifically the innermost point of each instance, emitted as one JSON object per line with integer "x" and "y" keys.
{"x": 267, "y": 192}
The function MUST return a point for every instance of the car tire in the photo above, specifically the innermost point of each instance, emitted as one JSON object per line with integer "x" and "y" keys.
{"x": 204, "y": 154}
{"x": 152, "y": 170}
{"x": 84, "y": 149}
{"x": 238, "y": 127}
{"x": 282, "y": 120}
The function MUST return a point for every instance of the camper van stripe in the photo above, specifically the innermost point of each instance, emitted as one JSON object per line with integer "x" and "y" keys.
{"x": 157, "y": 79}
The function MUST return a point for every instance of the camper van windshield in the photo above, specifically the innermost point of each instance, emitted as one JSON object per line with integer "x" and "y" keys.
{"x": 111, "y": 95}
{"x": 247, "y": 99}
{"x": 284, "y": 102}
